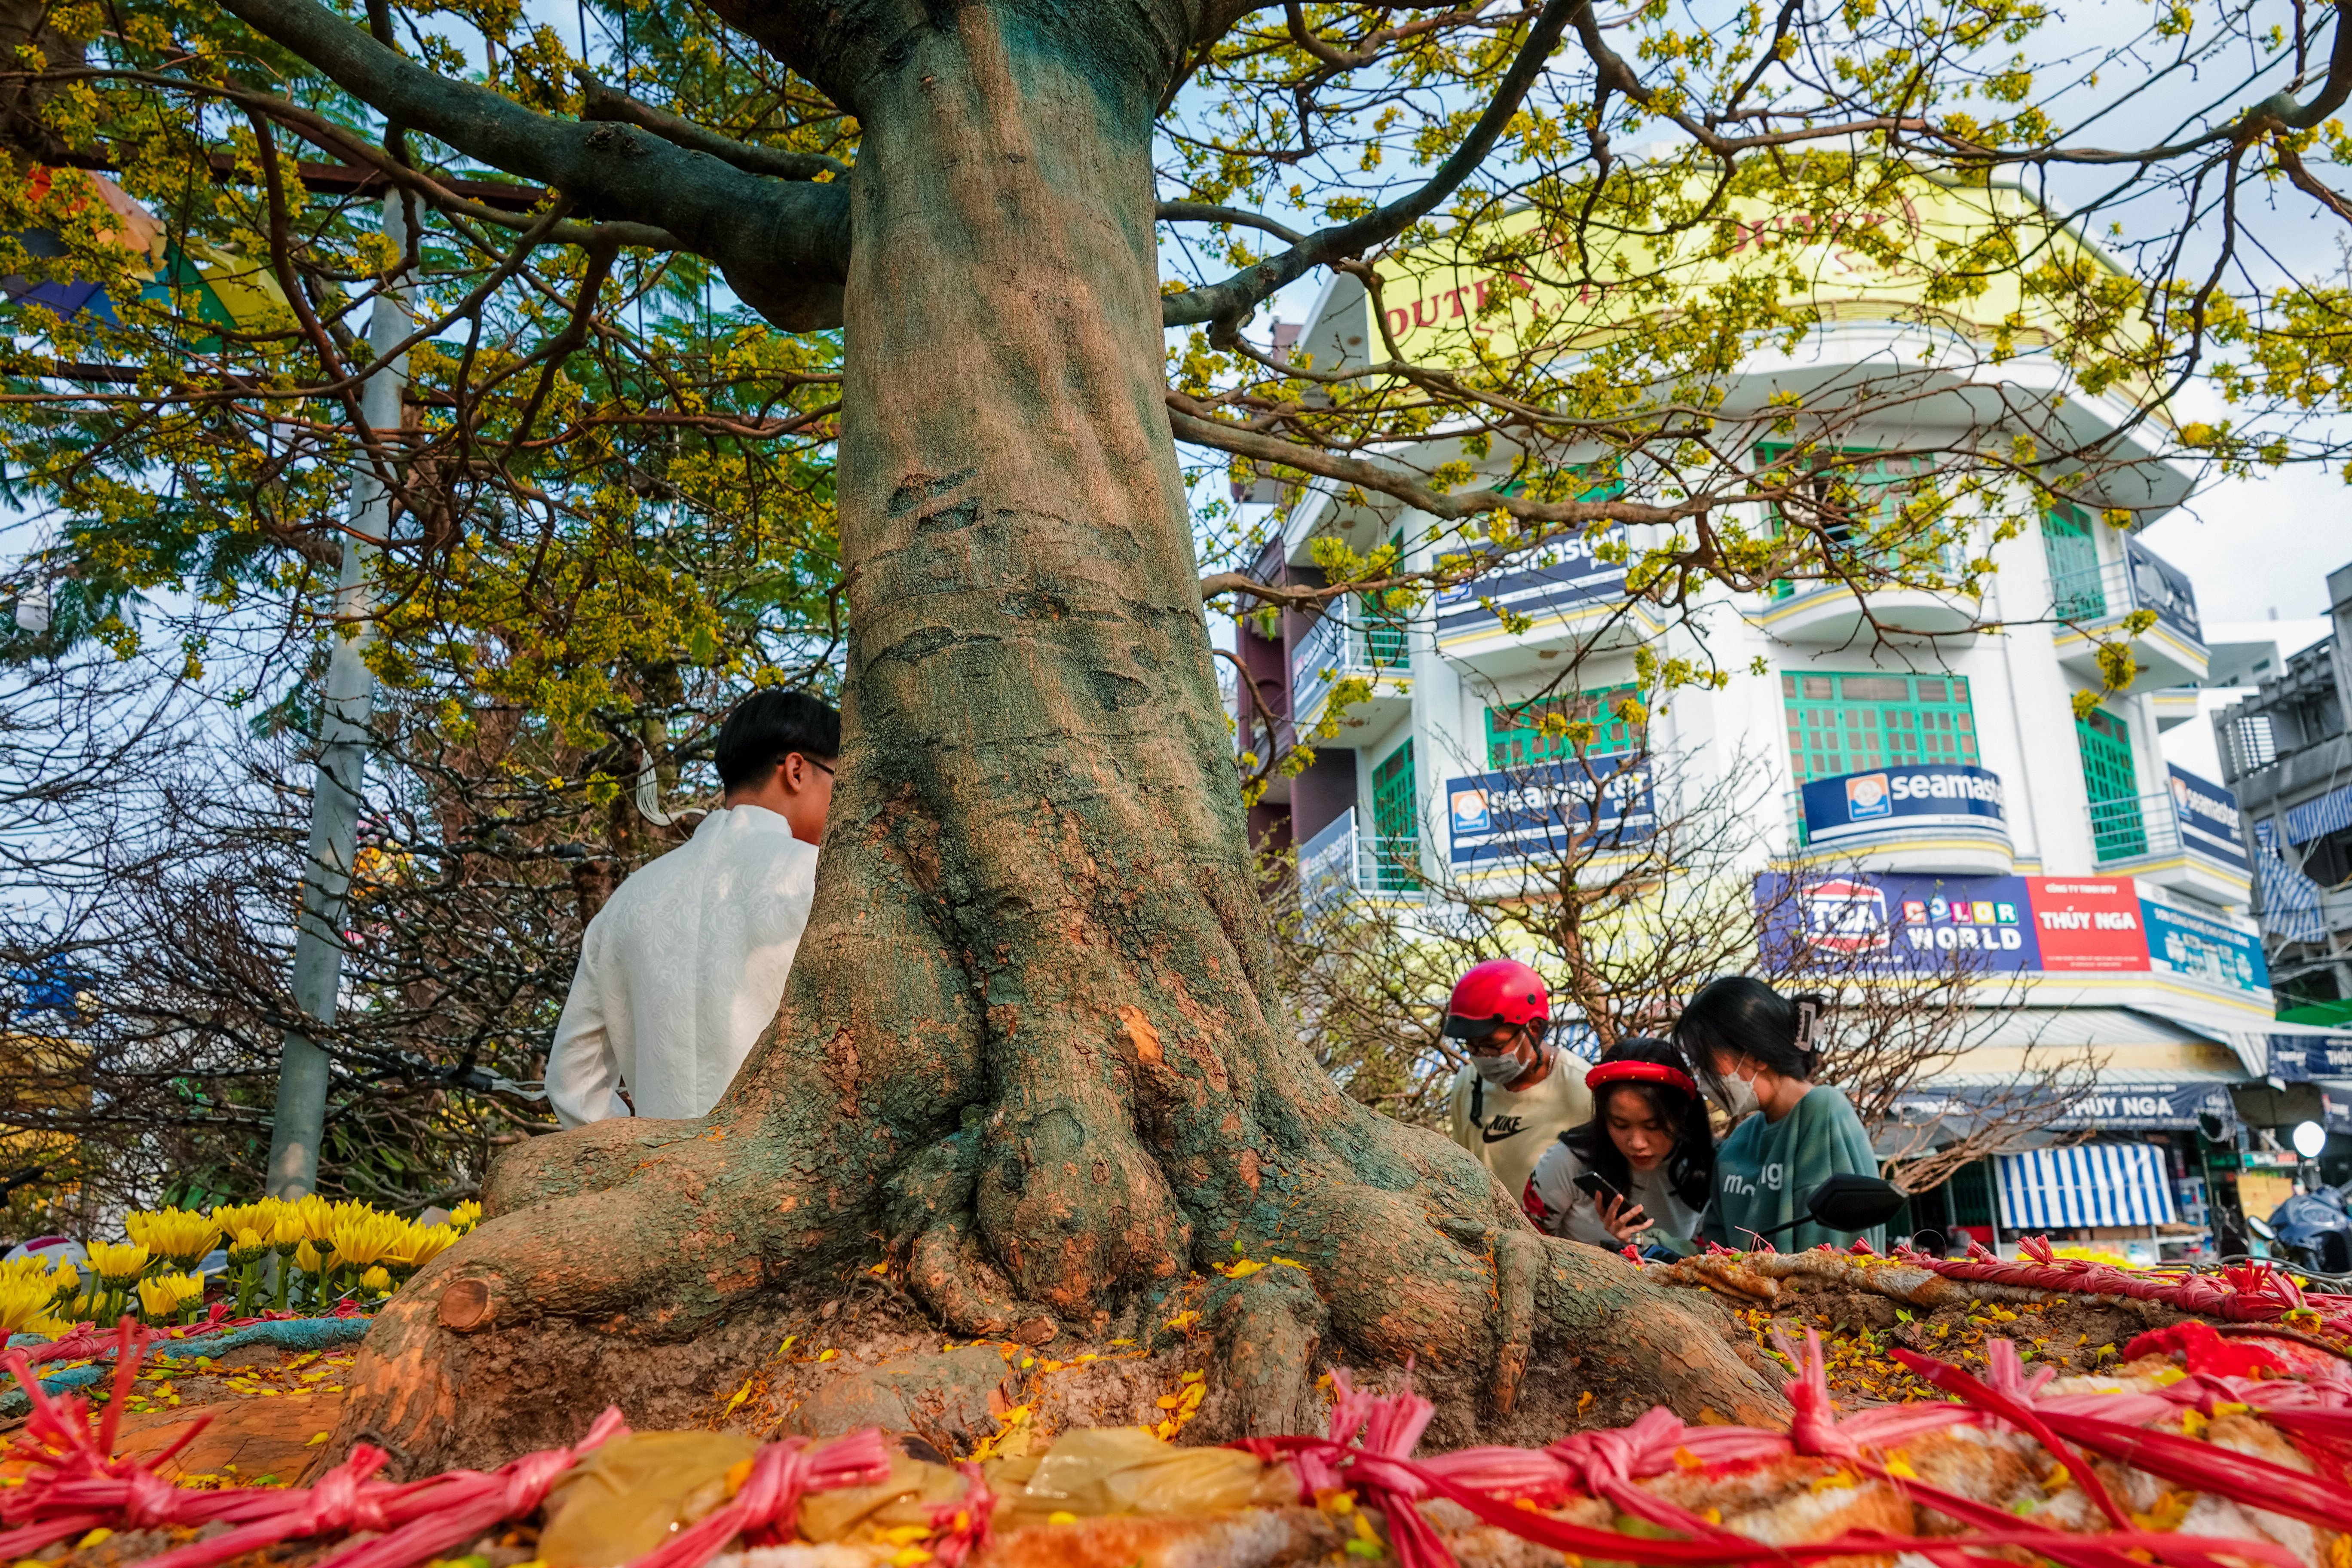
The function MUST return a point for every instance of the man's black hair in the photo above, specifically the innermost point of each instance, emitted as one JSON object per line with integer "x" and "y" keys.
{"x": 768, "y": 725}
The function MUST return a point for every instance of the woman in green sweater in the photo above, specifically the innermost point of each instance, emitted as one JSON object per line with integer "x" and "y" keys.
{"x": 1754, "y": 1052}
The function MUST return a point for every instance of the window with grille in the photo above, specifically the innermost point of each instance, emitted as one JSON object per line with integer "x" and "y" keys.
{"x": 2067, "y": 544}
{"x": 2109, "y": 779}
{"x": 1396, "y": 822}
{"x": 1384, "y": 628}
{"x": 1850, "y": 494}
{"x": 1861, "y": 723}
{"x": 2250, "y": 745}
{"x": 1519, "y": 737}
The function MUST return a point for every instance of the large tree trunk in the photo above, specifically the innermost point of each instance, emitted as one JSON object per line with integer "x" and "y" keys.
{"x": 1023, "y": 1042}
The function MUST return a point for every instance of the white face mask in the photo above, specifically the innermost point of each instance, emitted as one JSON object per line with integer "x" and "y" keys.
{"x": 1738, "y": 1096}
{"x": 1500, "y": 1069}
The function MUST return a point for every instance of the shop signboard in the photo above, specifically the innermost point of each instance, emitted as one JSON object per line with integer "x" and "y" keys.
{"x": 1899, "y": 924}
{"x": 1572, "y": 573}
{"x": 2207, "y": 815}
{"x": 1851, "y": 805}
{"x": 2088, "y": 924}
{"x": 2200, "y": 947}
{"x": 2311, "y": 1058}
{"x": 1549, "y": 810}
{"x": 2002, "y": 924}
{"x": 2157, "y": 585}
{"x": 2154, "y": 1107}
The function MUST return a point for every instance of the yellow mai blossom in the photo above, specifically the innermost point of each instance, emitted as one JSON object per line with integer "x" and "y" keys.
{"x": 464, "y": 1216}
{"x": 363, "y": 1237}
{"x": 163, "y": 1297}
{"x": 119, "y": 1264}
{"x": 175, "y": 1234}
{"x": 422, "y": 1244}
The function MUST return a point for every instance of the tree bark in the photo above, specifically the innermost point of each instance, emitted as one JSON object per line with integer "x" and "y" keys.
{"x": 1023, "y": 1042}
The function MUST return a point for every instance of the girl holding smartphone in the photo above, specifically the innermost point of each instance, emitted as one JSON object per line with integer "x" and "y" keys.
{"x": 1640, "y": 1170}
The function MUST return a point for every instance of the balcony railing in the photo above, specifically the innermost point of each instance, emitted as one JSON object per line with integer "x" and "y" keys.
{"x": 1948, "y": 562}
{"x": 2142, "y": 580}
{"x": 1339, "y": 860}
{"x": 2157, "y": 825}
{"x": 1348, "y": 641}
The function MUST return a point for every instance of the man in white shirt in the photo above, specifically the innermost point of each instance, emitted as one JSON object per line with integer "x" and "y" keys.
{"x": 684, "y": 965}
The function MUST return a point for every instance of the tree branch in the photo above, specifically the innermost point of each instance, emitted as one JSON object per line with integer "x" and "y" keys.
{"x": 605, "y": 102}
{"x": 785, "y": 246}
{"x": 1415, "y": 492}
{"x": 1229, "y": 300}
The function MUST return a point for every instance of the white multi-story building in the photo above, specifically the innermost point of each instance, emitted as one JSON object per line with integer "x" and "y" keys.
{"x": 2106, "y": 887}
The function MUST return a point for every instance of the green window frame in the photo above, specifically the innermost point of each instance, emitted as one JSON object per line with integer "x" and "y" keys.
{"x": 1516, "y": 736}
{"x": 1860, "y": 721}
{"x": 2073, "y": 554}
{"x": 2112, "y": 783}
{"x": 1384, "y": 629}
{"x": 1396, "y": 822}
{"x": 1879, "y": 486}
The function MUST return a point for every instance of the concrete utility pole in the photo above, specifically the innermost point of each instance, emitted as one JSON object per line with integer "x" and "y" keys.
{"x": 342, "y": 755}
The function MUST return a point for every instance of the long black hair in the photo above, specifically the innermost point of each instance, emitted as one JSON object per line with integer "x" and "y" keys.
{"x": 1739, "y": 1015}
{"x": 1690, "y": 1167}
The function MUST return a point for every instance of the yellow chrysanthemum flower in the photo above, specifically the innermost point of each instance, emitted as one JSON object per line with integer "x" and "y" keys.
{"x": 118, "y": 1263}
{"x": 376, "y": 1281}
{"x": 249, "y": 1247}
{"x": 306, "y": 1259}
{"x": 464, "y": 1216}
{"x": 367, "y": 1236}
{"x": 24, "y": 1301}
{"x": 162, "y": 1299}
{"x": 177, "y": 1234}
{"x": 423, "y": 1244}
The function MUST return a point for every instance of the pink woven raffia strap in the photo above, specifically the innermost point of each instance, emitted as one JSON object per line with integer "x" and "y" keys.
{"x": 767, "y": 1507}
{"x": 460, "y": 1506}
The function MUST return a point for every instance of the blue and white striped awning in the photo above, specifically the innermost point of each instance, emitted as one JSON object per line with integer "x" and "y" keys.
{"x": 2088, "y": 1184}
{"x": 2314, "y": 818}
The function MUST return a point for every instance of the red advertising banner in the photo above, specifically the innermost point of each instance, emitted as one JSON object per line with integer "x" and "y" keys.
{"x": 2087, "y": 923}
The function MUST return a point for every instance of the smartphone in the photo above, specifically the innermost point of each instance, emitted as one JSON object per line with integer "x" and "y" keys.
{"x": 1594, "y": 1186}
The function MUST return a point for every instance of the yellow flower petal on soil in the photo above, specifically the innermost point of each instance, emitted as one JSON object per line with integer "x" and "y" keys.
{"x": 119, "y": 1263}
{"x": 316, "y": 1441}
{"x": 1241, "y": 1269}
{"x": 1061, "y": 1517}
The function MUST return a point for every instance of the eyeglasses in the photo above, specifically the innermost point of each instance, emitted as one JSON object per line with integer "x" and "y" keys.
{"x": 811, "y": 761}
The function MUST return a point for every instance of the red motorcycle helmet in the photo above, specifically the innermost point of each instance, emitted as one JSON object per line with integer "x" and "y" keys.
{"x": 1499, "y": 991}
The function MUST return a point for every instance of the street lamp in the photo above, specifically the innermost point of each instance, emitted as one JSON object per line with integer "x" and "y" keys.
{"x": 2310, "y": 1138}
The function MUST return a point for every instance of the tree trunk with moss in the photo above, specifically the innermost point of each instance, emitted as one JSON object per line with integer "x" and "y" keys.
{"x": 1023, "y": 1049}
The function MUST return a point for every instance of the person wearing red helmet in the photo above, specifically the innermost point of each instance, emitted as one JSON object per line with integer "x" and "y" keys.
{"x": 1517, "y": 1092}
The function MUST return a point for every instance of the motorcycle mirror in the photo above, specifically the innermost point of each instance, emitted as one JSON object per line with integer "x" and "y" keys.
{"x": 2262, "y": 1228}
{"x": 1851, "y": 1202}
